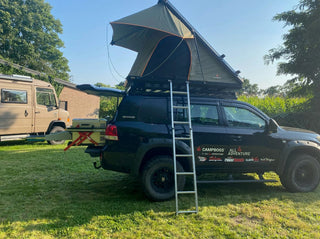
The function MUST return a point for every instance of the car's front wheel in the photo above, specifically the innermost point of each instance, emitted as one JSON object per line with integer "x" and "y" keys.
{"x": 56, "y": 129}
{"x": 302, "y": 174}
{"x": 158, "y": 178}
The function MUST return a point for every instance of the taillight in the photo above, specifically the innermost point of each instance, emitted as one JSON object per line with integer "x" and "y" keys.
{"x": 111, "y": 132}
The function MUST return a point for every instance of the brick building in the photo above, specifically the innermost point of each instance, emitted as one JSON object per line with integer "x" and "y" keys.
{"x": 78, "y": 103}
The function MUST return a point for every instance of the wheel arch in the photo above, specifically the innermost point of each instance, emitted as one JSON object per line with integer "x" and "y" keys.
{"x": 162, "y": 149}
{"x": 307, "y": 147}
{"x": 55, "y": 123}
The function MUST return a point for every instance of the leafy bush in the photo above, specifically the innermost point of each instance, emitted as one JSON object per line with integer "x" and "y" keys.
{"x": 293, "y": 112}
{"x": 274, "y": 106}
{"x": 108, "y": 105}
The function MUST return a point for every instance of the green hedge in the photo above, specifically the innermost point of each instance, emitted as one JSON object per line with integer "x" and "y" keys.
{"x": 274, "y": 106}
{"x": 293, "y": 112}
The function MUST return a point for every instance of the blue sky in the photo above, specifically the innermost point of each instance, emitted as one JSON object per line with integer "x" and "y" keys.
{"x": 243, "y": 30}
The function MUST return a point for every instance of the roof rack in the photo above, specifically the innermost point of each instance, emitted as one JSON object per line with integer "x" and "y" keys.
{"x": 16, "y": 77}
{"x": 197, "y": 88}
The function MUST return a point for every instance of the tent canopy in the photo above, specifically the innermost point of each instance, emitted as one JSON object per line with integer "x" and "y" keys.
{"x": 169, "y": 47}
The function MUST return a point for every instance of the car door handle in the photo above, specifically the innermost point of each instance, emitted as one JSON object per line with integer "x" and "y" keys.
{"x": 236, "y": 138}
{"x": 37, "y": 112}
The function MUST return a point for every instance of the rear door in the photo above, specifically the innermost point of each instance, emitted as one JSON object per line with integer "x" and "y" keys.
{"x": 208, "y": 134}
{"x": 16, "y": 112}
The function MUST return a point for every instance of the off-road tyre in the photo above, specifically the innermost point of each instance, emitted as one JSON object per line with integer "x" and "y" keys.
{"x": 158, "y": 178}
{"x": 56, "y": 129}
{"x": 302, "y": 174}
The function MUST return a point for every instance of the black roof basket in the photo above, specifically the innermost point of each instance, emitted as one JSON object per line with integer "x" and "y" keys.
{"x": 138, "y": 86}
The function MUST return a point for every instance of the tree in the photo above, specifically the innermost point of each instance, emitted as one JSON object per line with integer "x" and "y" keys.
{"x": 249, "y": 89}
{"x": 301, "y": 47}
{"x": 108, "y": 105}
{"x": 274, "y": 91}
{"x": 29, "y": 37}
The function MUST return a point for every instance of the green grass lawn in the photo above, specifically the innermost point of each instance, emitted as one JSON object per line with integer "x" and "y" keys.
{"x": 48, "y": 193}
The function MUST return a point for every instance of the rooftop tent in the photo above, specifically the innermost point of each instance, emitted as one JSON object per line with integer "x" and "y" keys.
{"x": 169, "y": 47}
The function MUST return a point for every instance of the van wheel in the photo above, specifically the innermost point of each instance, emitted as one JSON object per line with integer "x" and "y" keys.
{"x": 302, "y": 174}
{"x": 158, "y": 178}
{"x": 56, "y": 129}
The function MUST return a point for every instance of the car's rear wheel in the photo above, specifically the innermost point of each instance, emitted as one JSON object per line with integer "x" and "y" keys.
{"x": 158, "y": 178}
{"x": 302, "y": 174}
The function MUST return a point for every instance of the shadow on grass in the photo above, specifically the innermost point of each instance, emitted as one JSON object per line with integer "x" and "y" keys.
{"x": 21, "y": 142}
{"x": 67, "y": 192}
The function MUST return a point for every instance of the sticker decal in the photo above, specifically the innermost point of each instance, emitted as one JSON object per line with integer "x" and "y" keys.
{"x": 238, "y": 160}
{"x": 214, "y": 159}
{"x": 202, "y": 159}
{"x": 233, "y": 154}
{"x": 255, "y": 159}
{"x": 229, "y": 160}
{"x": 238, "y": 152}
{"x": 213, "y": 150}
{"x": 267, "y": 160}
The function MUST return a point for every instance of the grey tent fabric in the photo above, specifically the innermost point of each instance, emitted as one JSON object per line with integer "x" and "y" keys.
{"x": 144, "y": 32}
{"x": 207, "y": 67}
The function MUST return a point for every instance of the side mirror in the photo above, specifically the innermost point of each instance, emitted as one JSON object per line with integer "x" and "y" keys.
{"x": 272, "y": 126}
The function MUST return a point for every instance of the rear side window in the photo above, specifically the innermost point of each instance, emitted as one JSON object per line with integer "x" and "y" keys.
{"x": 204, "y": 114}
{"x": 201, "y": 114}
{"x": 154, "y": 111}
{"x": 46, "y": 97}
{"x": 14, "y": 96}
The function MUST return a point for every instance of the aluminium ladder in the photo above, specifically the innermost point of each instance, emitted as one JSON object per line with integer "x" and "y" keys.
{"x": 189, "y": 138}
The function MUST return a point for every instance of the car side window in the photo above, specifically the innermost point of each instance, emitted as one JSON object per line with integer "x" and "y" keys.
{"x": 243, "y": 118}
{"x": 14, "y": 96}
{"x": 153, "y": 111}
{"x": 204, "y": 114}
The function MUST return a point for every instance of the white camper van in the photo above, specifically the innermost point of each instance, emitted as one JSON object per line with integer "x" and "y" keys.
{"x": 29, "y": 107}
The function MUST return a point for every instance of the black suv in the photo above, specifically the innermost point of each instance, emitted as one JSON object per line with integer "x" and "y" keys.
{"x": 229, "y": 137}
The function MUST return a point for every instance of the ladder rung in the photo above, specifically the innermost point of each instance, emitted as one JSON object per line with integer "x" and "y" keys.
{"x": 184, "y": 173}
{"x": 193, "y": 211}
{"x": 180, "y": 107}
{"x": 182, "y": 138}
{"x": 186, "y": 192}
{"x": 183, "y": 155}
{"x": 179, "y": 92}
{"x": 180, "y": 122}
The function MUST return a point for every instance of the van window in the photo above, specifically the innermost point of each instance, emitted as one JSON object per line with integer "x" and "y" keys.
{"x": 14, "y": 96}
{"x": 46, "y": 97}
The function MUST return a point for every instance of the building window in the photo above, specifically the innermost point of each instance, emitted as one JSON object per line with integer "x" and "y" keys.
{"x": 63, "y": 105}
